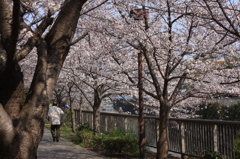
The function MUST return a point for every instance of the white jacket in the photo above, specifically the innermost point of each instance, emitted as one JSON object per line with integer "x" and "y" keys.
{"x": 54, "y": 114}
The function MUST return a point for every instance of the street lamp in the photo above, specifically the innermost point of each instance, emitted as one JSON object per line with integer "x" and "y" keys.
{"x": 141, "y": 14}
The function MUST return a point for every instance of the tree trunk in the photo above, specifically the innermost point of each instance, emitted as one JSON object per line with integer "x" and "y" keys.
{"x": 96, "y": 112}
{"x": 96, "y": 109}
{"x": 162, "y": 144}
{"x": 96, "y": 119}
{"x": 59, "y": 39}
{"x": 73, "y": 120}
{"x": 80, "y": 112}
{"x": 21, "y": 125}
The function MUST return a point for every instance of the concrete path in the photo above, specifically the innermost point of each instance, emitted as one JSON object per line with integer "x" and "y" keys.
{"x": 63, "y": 149}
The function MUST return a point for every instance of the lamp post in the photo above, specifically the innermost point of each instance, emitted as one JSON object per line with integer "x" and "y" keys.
{"x": 142, "y": 139}
{"x": 141, "y": 14}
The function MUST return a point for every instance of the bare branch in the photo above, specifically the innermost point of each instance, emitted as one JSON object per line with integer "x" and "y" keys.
{"x": 94, "y": 7}
{"x": 85, "y": 96}
{"x": 27, "y": 48}
{"x": 79, "y": 38}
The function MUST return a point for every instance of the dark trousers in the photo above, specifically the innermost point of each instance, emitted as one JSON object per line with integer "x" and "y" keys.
{"x": 55, "y": 130}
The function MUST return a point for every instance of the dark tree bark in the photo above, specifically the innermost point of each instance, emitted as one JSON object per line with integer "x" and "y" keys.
{"x": 162, "y": 143}
{"x": 96, "y": 111}
{"x": 100, "y": 91}
{"x": 165, "y": 103}
{"x": 22, "y": 122}
{"x": 73, "y": 120}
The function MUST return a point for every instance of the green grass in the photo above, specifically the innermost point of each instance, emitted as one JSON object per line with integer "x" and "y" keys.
{"x": 47, "y": 125}
{"x": 65, "y": 130}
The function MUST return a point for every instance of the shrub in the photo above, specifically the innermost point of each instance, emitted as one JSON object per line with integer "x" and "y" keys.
{"x": 85, "y": 126}
{"x": 120, "y": 142}
{"x": 117, "y": 133}
{"x": 120, "y": 145}
{"x": 97, "y": 141}
{"x": 85, "y": 137}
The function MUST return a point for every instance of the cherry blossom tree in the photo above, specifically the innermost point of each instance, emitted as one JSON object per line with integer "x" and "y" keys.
{"x": 93, "y": 73}
{"x": 67, "y": 92}
{"x": 48, "y": 26}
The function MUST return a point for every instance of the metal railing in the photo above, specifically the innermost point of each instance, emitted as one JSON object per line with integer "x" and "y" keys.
{"x": 193, "y": 137}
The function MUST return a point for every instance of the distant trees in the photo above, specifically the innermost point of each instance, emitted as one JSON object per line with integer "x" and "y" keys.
{"x": 93, "y": 75}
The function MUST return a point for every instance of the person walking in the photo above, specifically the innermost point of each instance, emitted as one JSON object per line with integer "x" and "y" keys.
{"x": 54, "y": 115}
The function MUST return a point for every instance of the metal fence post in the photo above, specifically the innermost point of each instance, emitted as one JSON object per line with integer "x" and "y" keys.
{"x": 182, "y": 138}
{"x": 106, "y": 124}
{"x": 215, "y": 138}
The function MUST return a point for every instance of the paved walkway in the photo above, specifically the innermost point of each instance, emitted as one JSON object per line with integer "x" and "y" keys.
{"x": 63, "y": 149}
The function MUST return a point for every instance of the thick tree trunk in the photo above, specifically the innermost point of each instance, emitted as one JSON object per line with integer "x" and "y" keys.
{"x": 9, "y": 139}
{"x": 96, "y": 112}
{"x": 21, "y": 125}
{"x": 80, "y": 112}
{"x": 96, "y": 119}
{"x": 59, "y": 39}
{"x": 162, "y": 144}
{"x": 73, "y": 120}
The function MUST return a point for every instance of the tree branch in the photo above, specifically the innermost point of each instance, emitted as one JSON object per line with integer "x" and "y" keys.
{"x": 85, "y": 96}
{"x": 27, "y": 47}
{"x": 38, "y": 86}
{"x": 177, "y": 88}
{"x": 79, "y": 38}
{"x": 94, "y": 8}
{"x": 15, "y": 27}
{"x": 151, "y": 69}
